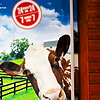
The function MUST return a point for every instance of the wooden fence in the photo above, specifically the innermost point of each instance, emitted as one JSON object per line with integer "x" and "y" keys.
{"x": 4, "y": 75}
{"x": 14, "y": 87}
{"x": 1, "y": 81}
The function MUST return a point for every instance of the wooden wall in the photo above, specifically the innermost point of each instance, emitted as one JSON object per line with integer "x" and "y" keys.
{"x": 89, "y": 49}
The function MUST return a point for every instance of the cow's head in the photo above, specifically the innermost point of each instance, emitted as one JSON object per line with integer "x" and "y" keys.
{"x": 42, "y": 67}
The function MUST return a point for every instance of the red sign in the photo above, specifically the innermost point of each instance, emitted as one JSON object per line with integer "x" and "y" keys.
{"x": 27, "y": 14}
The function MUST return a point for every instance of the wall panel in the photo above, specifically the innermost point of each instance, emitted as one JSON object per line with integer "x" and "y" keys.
{"x": 91, "y": 24}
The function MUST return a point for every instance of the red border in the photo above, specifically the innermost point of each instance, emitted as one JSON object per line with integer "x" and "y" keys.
{"x": 31, "y": 27}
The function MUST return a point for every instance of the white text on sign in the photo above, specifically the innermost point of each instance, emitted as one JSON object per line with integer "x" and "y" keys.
{"x": 26, "y": 9}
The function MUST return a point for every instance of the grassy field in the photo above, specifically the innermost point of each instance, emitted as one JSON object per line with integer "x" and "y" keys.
{"x": 18, "y": 61}
{"x": 20, "y": 95}
{"x": 24, "y": 95}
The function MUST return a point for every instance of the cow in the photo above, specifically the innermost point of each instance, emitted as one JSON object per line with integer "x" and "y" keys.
{"x": 47, "y": 70}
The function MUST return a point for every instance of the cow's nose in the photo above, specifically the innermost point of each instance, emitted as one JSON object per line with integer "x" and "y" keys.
{"x": 54, "y": 94}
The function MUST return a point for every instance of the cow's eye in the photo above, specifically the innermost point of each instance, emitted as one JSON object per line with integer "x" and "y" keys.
{"x": 56, "y": 59}
{"x": 25, "y": 72}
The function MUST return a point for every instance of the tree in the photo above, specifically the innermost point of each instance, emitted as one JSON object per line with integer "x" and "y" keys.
{"x": 12, "y": 54}
{"x": 0, "y": 56}
{"x": 18, "y": 47}
{"x": 5, "y": 56}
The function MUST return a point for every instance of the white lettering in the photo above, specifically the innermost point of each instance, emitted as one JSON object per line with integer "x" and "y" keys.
{"x": 22, "y": 19}
{"x": 28, "y": 18}
{"x": 2, "y": 7}
{"x": 26, "y": 9}
{"x": 33, "y": 17}
{"x": 32, "y": 8}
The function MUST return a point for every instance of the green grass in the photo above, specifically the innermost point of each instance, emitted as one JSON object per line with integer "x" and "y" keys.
{"x": 76, "y": 54}
{"x": 20, "y": 95}
{"x": 9, "y": 80}
{"x": 24, "y": 95}
{"x": 18, "y": 61}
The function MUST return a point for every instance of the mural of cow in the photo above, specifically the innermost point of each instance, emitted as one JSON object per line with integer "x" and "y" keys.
{"x": 47, "y": 70}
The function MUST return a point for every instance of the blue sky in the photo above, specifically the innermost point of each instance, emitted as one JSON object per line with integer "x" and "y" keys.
{"x": 60, "y": 6}
{"x": 55, "y": 22}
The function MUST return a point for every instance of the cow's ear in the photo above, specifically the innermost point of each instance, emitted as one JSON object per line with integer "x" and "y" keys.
{"x": 62, "y": 45}
{"x": 12, "y": 68}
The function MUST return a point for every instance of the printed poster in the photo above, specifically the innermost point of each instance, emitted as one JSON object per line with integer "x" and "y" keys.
{"x": 35, "y": 40}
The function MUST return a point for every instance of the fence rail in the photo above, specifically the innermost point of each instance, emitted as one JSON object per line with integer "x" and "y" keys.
{"x": 12, "y": 87}
{"x": 15, "y": 87}
{"x": 4, "y": 75}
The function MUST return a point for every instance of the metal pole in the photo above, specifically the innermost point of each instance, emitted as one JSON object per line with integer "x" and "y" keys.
{"x": 72, "y": 50}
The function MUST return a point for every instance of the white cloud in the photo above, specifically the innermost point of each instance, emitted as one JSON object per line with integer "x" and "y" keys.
{"x": 8, "y": 22}
{"x": 4, "y": 33}
{"x": 50, "y": 28}
{"x": 49, "y": 13}
{"x": 49, "y": 3}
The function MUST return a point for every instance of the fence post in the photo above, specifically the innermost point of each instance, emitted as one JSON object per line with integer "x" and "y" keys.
{"x": 1, "y": 81}
{"x": 14, "y": 87}
{"x": 0, "y": 92}
{"x": 26, "y": 84}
